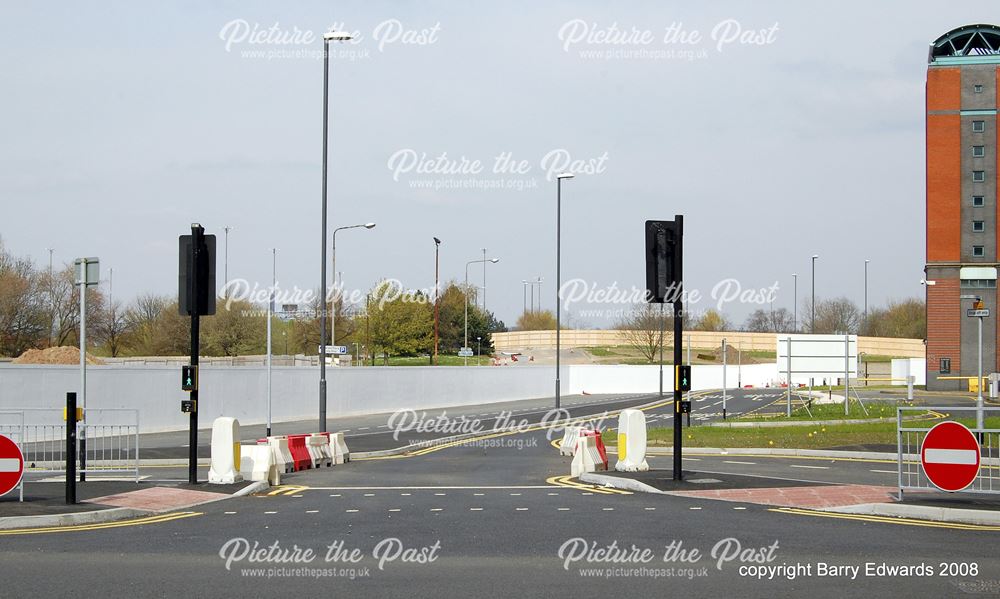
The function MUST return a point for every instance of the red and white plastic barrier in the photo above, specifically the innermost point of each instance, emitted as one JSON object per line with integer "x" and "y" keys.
{"x": 587, "y": 457}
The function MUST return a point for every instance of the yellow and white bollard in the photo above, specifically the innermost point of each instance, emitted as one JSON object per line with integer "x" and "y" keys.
{"x": 631, "y": 442}
{"x": 225, "y": 451}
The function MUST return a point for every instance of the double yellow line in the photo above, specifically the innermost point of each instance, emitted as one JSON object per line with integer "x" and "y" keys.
{"x": 567, "y": 481}
{"x": 83, "y": 527}
{"x": 884, "y": 519}
{"x": 286, "y": 490}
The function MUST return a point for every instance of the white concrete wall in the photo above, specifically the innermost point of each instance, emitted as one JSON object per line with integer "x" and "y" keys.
{"x": 241, "y": 392}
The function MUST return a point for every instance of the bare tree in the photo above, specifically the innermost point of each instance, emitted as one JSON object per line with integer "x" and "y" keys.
{"x": 22, "y": 310}
{"x": 770, "y": 321}
{"x": 836, "y": 316}
{"x": 113, "y": 328}
{"x": 642, "y": 329}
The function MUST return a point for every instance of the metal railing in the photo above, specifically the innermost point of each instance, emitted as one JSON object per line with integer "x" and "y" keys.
{"x": 108, "y": 440}
{"x": 910, "y": 438}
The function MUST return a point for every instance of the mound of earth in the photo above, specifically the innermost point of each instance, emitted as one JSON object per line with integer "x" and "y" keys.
{"x": 54, "y": 355}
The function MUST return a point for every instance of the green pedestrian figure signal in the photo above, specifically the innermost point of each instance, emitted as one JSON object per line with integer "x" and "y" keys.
{"x": 682, "y": 377}
{"x": 189, "y": 378}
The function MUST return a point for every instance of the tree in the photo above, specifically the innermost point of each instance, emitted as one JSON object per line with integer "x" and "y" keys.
{"x": 836, "y": 316}
{"x": 712, "y": 320}
{"x": 23, "y": 314}
{"x": 236, "y": 329}
{"x": 543, "y": 320}
{"x": 113, "y": 327}
{"x": 770, "y": 321}
{"x": 906, "y": 318}
{"x": 641, "y": 329}
{"x": 142, "y": 317}
{"x": 400, "y": 323}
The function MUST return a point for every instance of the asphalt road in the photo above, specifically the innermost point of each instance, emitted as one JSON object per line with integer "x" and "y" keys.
{"x": 495, "y": 515}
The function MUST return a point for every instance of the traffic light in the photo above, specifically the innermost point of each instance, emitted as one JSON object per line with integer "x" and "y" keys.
{"x": 189, "y": 378}
{"x": 682, "y": 377}
{"x": 203, "y": 268}
{"x": 664, "y": 259}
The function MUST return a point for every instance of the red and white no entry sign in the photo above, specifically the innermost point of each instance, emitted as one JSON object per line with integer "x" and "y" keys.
{"x": 950, "y": 456}
{"x": 11, "y": 465}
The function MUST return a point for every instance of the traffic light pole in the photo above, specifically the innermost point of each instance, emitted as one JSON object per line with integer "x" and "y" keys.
{"x": 678, "y": 356}
{"x": 197, "y": 239}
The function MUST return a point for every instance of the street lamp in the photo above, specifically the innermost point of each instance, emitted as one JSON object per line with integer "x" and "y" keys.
{"x": 795, "y": 302}
{"x": 977, "y": 305}
{"x": 437, "y": 293}
{"x": 337, "y": 292}
{"x": 559, "y": 180}
{"x": 467, "y": 264}
{"x": 812, "y": 325}
{"x": 270, "y": 312}
{"x": 866, "y": 291}
{"x": 329, "y": 36}
{"x": 225, "y": 283}
{"x": 479, "y": 351}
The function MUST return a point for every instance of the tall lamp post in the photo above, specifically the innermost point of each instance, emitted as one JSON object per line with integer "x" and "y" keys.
{"x": 559, "y": 180}
{"x": 866, "y": 291}
{"x": 437, "y": 294}
{"x": 795, "y": 302}
{"x": 270, "y": 313}
{"x": 329, "y": 36}
{"x": 812, "y": 323}
{"x": 337, "y": 292}
{"x": 977, "y": 305}
{"x": 467, "y": 264}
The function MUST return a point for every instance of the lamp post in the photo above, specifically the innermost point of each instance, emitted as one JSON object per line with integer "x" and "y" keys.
{"x": 225, "y": 275}
{"x": 329, "y": 36}
{"x": 467, "y": 264}
{"x": 484, "y": 280}
{"x": 437, "y": 295}
{"x": 978, "y": 306}
{"x": 270, "y": 311}
{"x": 866, "y": 291}
{"x": 336, "y": 291}
{"x": 524, "y": 293}
{"x": 559, "y": 180}
{"x": 479, "y": 351}
{"x": 812, "y": 324}
{"x": 795, "y": 302}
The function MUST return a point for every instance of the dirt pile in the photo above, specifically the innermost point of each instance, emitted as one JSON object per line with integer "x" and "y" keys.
{"x": 54, "y": 355}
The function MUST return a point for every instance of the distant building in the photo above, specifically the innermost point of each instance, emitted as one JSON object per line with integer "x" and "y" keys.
{"x": 963, "y": 74}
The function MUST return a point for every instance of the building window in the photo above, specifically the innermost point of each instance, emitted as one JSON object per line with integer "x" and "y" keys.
{"x": 977, "y": 88}
{"x": 978, "y": 151}
{"x": 978, "y": 226}
{"x": 978, "y": 176}
{"x": 945, "y": 366}
{"x": 978, "y": 251}
{"x": 978, "y": 126}
{"x": 978, "y": 201}
{"x": 979, "y": 283}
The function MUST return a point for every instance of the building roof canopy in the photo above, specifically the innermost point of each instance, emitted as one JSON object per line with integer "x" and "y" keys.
{"x": 969, "y": 40}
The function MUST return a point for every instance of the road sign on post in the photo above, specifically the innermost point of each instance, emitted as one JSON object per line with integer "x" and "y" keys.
{"x": 465, "y": 352}
{"x": 11, "y": 465}
{"x": 973, "y": 313}
{"x": 950, "y": 456}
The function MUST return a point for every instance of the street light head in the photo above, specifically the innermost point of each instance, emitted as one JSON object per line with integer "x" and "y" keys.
{"x": 926, "y": 282}
{"x": 494, "y": 260}
{"x": 437, "y": 241}
{"x": 337, "y": 36}
{"x": 815, "y": 256}
{"x": 565, "y": 176}
{"x": 369, "y": 225}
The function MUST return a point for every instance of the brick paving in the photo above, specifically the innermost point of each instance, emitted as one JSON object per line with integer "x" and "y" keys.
{"x": 804, "y": 497}
{"x": 158, "y": 499}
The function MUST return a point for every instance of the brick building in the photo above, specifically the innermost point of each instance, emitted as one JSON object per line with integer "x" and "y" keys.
{"x": 963, "y": 75}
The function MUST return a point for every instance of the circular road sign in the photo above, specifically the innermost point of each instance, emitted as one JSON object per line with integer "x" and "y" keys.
{"x": 950, "y": 456}
{"x": 11, "y": 465}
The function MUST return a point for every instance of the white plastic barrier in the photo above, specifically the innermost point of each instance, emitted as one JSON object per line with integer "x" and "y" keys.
{"x": 340, "y": 452}
{"x": 282, "y": 455}
{"x": 631, "y": 442}
{"x": 257, "y": 463}
{"x": 225, "y": 451}
{"x": 570, "y": 435}
{"x": 587, "y": 457}
{"x": 318, "y": 446}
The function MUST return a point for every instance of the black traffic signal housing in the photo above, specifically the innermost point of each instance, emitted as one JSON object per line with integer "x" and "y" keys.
{"x": 682, "y": 377}
{"x": 664, "y": 259}
{"x": 203, "y": 268}
{"x": 189, "y": 378}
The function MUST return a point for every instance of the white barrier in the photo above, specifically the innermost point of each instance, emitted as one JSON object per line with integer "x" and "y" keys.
{"x": 225, "y": 451}
{"x": 340, "y": 452}
{"x": 587, "y": 457}
{"x": 316, "y": 444}
{"x": 282, "y": 455}
{"x": 570, "y": 435}
{"x": 257, "y": 463}
{"x": 631, "y": 442}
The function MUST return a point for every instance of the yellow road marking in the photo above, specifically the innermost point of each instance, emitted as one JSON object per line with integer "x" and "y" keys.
{"x": 566, "y": 481}
{"x": 884, "y": 519}
{"x": 287, "y": 490}
{"x": 84, "y": 527}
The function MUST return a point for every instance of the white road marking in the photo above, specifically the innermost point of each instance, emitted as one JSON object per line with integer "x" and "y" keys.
{"x": 230, "y": 513}
{"x": 552, "y": 493}
{"x": 607, "y": 509}
{"x": 270, "y": 512}
{"x": 735, "y": 462}
{"x": 440, "y": 494}
{"x": 885, "y": 471}
{"x": 335, "y": 495}
{"x": 312, "y": 511}
{"x": 436, "y": 509}
{"x": 739, "y": 507}
{"x": 961, "y": 457}
{"x": 351, "y": 511}
{"x": 694, "y": 508}
{"x": 562, "y": 509}
{"x": 812, "y": 467}
{"x": 404, "y": 494}
{"x": 475, "y": 509}
{"x": 369, "y": 495}
{"x": 521, "y": 509}
{"x": 650, "y": 509}
{"x": 515, "y": 494}
{"x": 395, "y": 509}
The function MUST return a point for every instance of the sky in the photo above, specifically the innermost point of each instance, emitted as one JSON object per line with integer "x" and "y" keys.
{"x": 778, "y": 129}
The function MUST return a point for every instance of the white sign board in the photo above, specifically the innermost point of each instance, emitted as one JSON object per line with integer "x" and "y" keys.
{"x": 332, "y": 349}
{"x": 818, "y": 357}
{"x": 465, "y": 352}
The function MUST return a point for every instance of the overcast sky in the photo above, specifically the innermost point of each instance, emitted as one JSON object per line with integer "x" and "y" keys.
{"x": 123, "y": 123}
